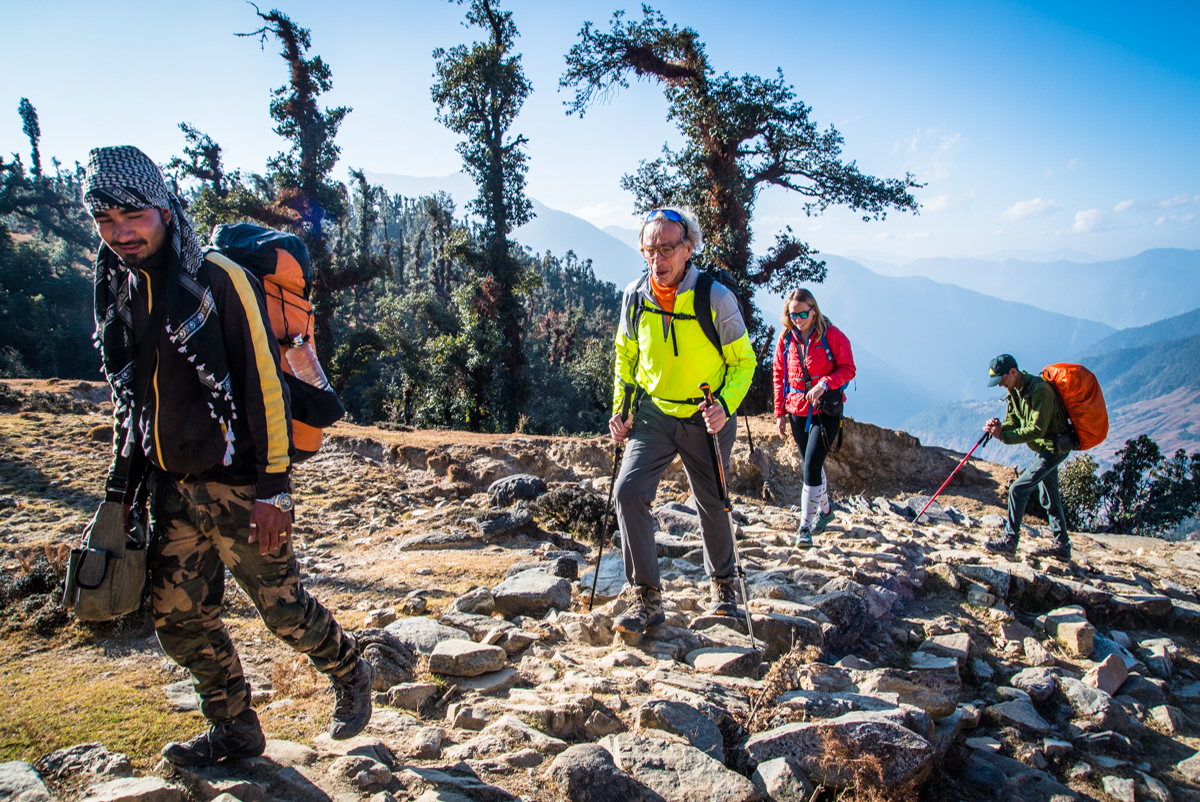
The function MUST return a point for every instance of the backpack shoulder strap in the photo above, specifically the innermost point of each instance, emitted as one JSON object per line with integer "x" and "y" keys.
{"x": 703, "y": 309}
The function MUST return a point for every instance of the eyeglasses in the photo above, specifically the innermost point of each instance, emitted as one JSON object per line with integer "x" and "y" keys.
{"x": 665, "y": 251}
{"x": 800, "y": 315}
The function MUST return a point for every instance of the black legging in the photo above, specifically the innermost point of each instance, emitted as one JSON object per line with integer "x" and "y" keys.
{"x": 815, "y": 444}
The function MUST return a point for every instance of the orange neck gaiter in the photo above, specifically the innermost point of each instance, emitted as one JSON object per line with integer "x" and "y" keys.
{"x": 664, "y": 295}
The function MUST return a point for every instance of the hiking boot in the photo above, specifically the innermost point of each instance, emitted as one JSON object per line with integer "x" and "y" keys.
{"x": 1005, "y": 544}
{"x": 804, "y": 538}
{"x": 645, "y": 610}
{"x": 823, "y": 520}
{"x": 352, "y": 701}
{"x": 237, "y": 737}
{"x": 1058, "y": 551}
{"x": 722, "y": 599}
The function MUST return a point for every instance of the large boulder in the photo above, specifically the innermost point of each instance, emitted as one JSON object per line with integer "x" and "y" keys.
{"x": 459, "y": 658}
{"x": 532, "y": 593}
{"x": 422, "y": 634}
{"x": 686, "y": 721}
{"x": 678, "y": 520}
{"x": 18, "y": 781}
{"x": 518, "y": 487}
{"x": 678, "y": 772}
{"x": 587, "y": 773}
{"x": 91, "y": 758}
{"x": 848, "y": 614}
{"x": 935, "y": 692}
{"x": 828, "y": 751}
{"x": 392, "y": 658}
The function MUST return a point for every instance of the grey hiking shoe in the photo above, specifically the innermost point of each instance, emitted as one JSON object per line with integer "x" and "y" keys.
{"x": 1005, "y": 544}
{"x": 804, "y": 538}
{"x": 237, "y": 737}
{"x": 722, "y": 598}
{"x": 352, "y": 701}
{"x": 823, "y": 520}
{"x": 644, "y": 611}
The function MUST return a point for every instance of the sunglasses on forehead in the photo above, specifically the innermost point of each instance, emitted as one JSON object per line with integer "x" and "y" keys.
{"x": 669, "y": 214}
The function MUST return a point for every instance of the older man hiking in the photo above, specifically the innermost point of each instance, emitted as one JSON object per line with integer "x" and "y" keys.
{"x": 211, "y": 439}
{"x": 1035, "y": 416}
{"x": 664, "y": 350}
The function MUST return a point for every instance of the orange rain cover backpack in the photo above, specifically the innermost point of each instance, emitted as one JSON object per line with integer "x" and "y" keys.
{"x": 1080, "y": 393}
{"x": 280, "y": 261}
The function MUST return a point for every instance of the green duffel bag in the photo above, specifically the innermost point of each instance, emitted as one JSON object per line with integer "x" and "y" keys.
{"x": 107, "y": 574}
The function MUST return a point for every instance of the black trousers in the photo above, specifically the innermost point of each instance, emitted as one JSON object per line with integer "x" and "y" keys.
{"x": 814, "y": 444}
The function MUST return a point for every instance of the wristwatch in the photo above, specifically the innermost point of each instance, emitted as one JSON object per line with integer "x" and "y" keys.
{"x": 282, "y": 501}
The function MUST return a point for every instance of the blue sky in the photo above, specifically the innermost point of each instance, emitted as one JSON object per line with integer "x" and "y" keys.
{"x": 1037, "y": 126}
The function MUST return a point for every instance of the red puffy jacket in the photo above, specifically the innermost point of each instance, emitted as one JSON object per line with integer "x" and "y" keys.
{"x": 818, "y": 364}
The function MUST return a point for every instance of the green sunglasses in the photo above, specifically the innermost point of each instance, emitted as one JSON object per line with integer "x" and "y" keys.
{"x": 800, "y": 315}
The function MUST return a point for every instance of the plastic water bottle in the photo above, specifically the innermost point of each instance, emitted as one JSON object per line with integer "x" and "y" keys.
{"x": 305, "y": 367}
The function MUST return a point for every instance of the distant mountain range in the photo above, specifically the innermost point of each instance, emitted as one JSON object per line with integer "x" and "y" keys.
{"x": 1136, "y": 291}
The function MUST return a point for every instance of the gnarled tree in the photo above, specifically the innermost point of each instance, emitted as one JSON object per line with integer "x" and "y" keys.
{"x": 743, "y": 134}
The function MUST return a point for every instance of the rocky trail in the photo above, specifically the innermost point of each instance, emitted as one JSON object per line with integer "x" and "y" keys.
{"x": 896, "y": 660}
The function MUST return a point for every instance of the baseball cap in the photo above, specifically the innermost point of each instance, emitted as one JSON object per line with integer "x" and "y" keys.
{"x": 1000, "y": 365}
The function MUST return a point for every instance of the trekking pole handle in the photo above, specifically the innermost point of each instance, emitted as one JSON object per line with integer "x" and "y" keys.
{"x": 625, "y": 401}
{"x": 706, "y": 391}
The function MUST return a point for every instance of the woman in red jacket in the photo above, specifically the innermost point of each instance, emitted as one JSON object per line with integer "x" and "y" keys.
{"x": 813, "y": 362}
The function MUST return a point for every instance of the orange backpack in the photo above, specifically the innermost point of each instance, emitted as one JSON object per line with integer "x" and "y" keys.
{"x": 1080, "y": 393}
{"x": 280, "y": 261}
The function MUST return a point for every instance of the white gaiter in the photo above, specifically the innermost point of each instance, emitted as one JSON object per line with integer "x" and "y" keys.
{"x": 810, "y": 504}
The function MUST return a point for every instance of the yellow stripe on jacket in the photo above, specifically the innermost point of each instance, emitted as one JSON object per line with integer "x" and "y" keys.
{"x": 278, "y": 442}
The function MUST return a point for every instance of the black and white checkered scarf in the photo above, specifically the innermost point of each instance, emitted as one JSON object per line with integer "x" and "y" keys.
{"x": 124, "y": 177}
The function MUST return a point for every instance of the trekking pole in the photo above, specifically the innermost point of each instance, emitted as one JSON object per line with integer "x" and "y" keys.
{"x": 982, "y": 441}
{"x": 714, "y": 446}
{"x": 617, "y": 449}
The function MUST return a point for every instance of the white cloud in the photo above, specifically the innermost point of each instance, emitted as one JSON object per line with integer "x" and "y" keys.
{"x": 1180, "y": 200}
{"x": 608, "y": 214}
{"x": 882, "y": 236}
{"x": 932, "y": 153}
{"x": 1029, "y": 208}
{"x": 1087, "y": 220}
{"x": 1124, "y": 205}
{"x": 1185, "y": 220}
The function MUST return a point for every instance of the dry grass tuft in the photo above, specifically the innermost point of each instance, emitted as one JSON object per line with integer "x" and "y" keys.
{"x": 296, "y": 679}
{"x": 855, "y": 776}
{"x": 784, "y": 676}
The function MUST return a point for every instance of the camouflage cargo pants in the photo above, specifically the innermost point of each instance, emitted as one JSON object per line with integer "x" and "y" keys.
{"x": 200, "y": 529}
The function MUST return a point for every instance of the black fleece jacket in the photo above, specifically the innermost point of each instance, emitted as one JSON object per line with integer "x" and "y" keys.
{"x": 187, "y": 441}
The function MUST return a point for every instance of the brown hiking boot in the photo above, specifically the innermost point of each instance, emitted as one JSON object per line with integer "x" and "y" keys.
{"x": 237, "y": 737}
{"x": 352, "y": 701}
{"x": 644, "y": 611}
{"x": 1058, "y": 551}
{"x": 722, "y": 598}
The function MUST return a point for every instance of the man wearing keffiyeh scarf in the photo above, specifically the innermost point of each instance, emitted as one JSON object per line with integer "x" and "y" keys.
{"x": 212, "y": 436}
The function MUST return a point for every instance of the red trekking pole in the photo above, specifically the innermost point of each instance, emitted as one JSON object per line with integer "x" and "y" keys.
{"x": 982, "y": 441}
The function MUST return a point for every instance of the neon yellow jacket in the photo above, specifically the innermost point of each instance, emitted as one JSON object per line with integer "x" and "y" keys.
{"x": 668, "y": 357}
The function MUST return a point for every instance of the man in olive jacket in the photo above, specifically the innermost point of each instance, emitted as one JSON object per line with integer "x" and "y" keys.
{"x": 1035, "y": 417}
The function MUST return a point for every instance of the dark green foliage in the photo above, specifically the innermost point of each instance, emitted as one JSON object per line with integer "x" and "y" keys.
{"x": 1144, "y": 493}
{"x": 572, "y": 508}
{"x": 46, "y": 319}
{"x": 1081, "y": 492}
{"x": 479, "y": 90}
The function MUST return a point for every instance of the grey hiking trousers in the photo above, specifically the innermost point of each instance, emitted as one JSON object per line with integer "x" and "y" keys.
{"x": 1042, "y": 475}
{"x": 653, "y": 443}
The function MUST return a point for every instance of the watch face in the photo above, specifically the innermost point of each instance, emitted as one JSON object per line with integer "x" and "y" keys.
{"x": 285, "y": 502}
